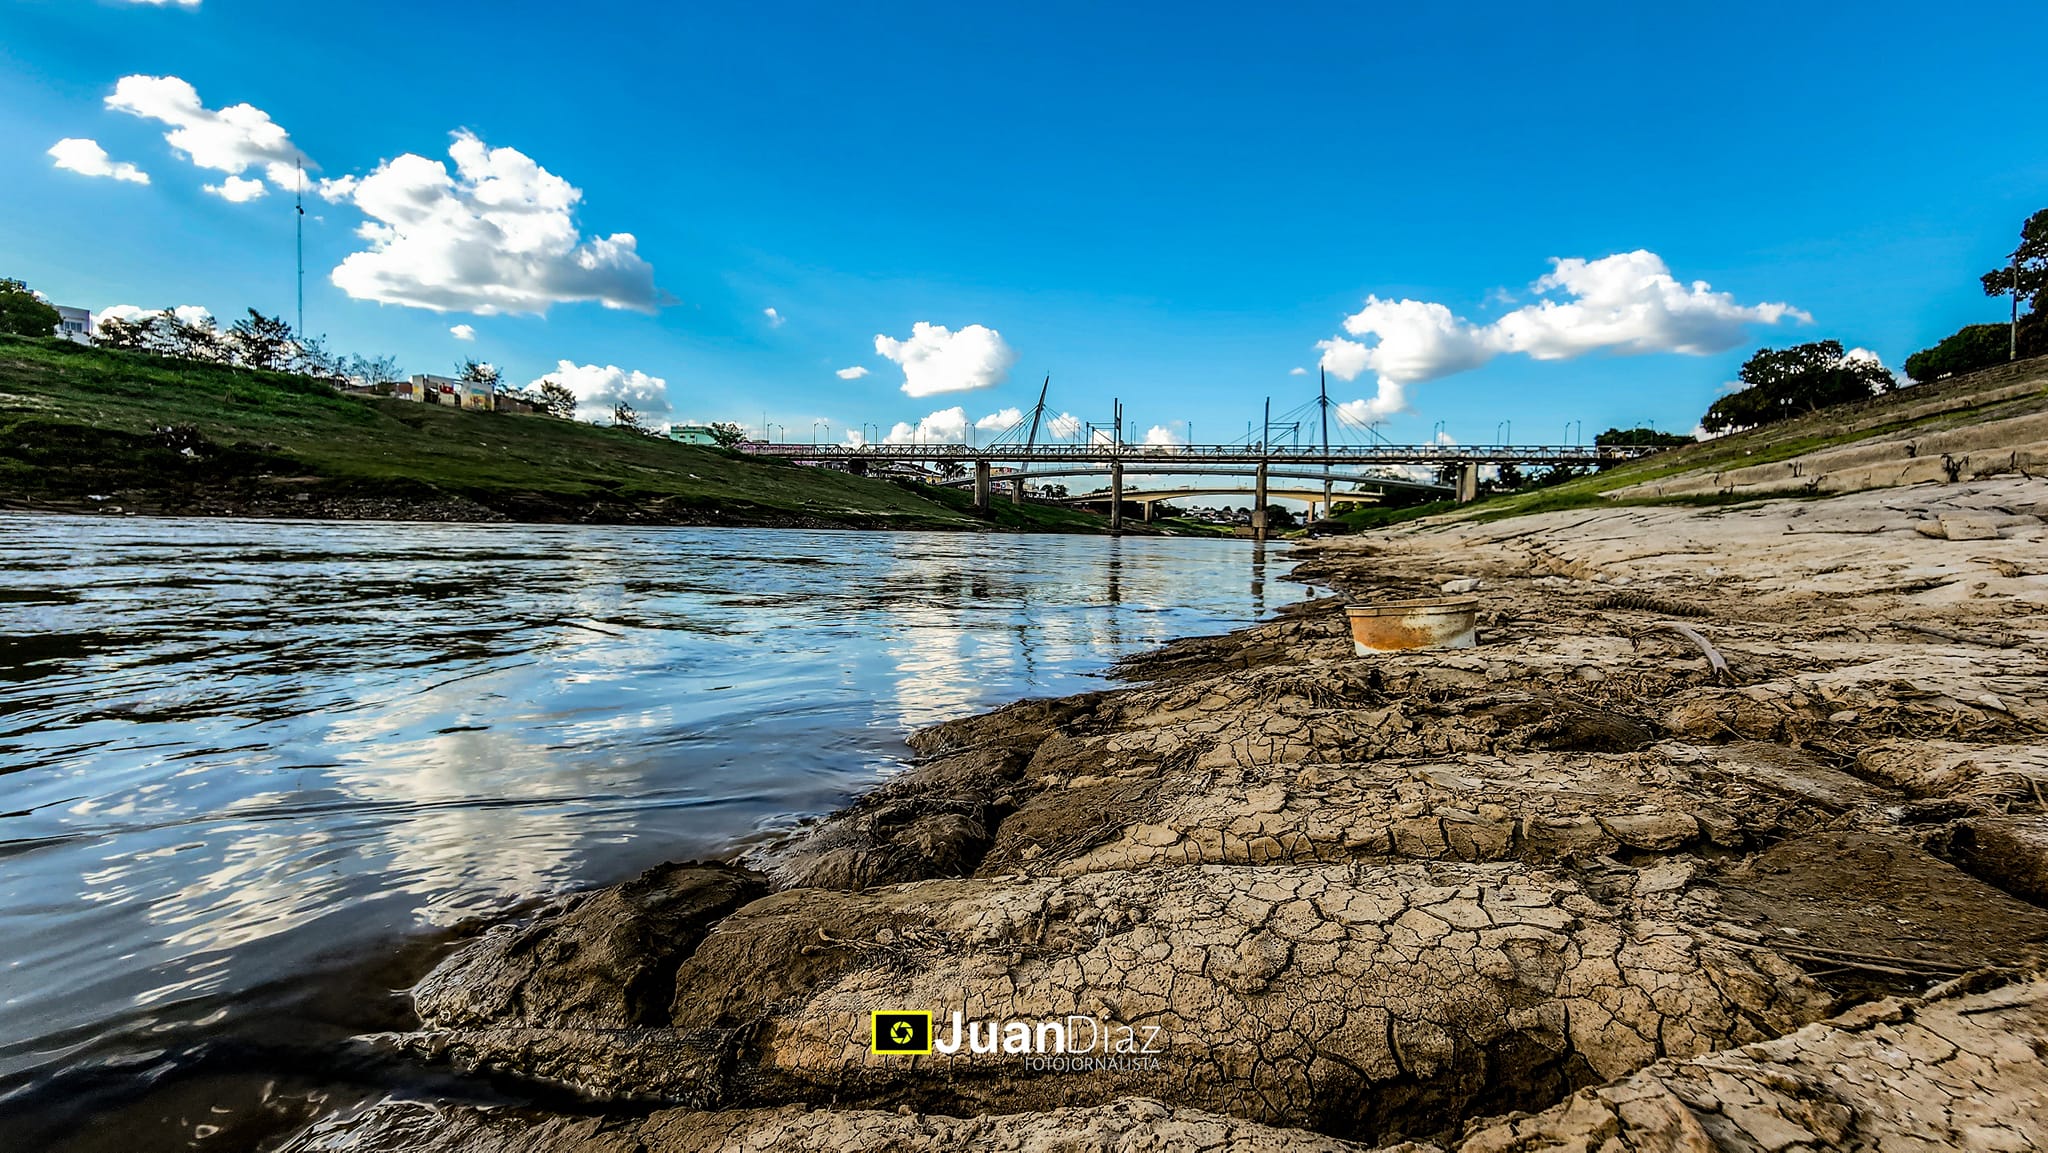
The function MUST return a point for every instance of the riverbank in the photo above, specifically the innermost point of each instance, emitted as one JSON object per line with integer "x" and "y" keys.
{"x": 89, "y": 430}
{"x": 1584, "y": 883}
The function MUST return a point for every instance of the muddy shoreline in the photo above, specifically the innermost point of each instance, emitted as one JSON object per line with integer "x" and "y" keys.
{"x": 1576, "y": 886}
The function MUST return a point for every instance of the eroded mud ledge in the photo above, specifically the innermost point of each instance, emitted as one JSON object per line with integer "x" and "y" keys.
{"x": 1571, "y": 889}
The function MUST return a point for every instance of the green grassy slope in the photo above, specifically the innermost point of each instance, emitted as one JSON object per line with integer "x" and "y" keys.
{"x": 1969, "y": 400}
{"x": 76, "y": 422}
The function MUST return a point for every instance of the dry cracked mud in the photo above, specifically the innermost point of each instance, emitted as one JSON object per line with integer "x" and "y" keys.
{"x": 1580, "y": 887}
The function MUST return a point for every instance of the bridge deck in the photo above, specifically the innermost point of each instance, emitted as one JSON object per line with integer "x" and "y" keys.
{"x": 1211, "y": 453}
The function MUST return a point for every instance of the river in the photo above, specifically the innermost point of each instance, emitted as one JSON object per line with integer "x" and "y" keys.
{"x": 240, "y": 757}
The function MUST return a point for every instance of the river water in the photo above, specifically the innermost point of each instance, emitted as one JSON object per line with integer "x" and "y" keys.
{"x": 237, "y": 757}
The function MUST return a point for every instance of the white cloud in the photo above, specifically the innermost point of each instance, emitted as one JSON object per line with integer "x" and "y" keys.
{"x": 1297, "y": 370}
{"x": 600, "y": 388}
{"x": 186, "y": 313}
{"x": 231, "y": 140}
{"x": 854, "y": 373}
{"x": 1162, "y": 435}
{"x": 338, "y": 189}
{"x": 497, "y": 236}
{"x": 87, "y": 158}
{"x": 462, "y": 332}
{"x": 937, "y": 360}
{"x": 1065, "y": 426}
{"x": 1630, "y": 303}
{"x": 946, "y": 426}
{"x": 1627, "y": 303}
{"x": 236, "y": 190}
{"x": 775, "y": 319}
{"x": 1000, "y": 419}
{"x": 185, "y": 4}
{"x": 1391, "y": 398}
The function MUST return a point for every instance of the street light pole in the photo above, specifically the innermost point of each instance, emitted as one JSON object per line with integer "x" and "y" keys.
{"x": 2013, "y": 349}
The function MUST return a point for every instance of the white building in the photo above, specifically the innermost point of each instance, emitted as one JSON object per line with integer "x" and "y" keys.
{"x": 74, "y": 324}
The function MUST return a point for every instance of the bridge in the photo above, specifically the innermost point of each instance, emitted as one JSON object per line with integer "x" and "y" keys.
{"x": 1195, "y": 460}
{"x": 1147, "y": 499}
{"x": 1104, "y": 446}
{"x": 1327, "y": 477}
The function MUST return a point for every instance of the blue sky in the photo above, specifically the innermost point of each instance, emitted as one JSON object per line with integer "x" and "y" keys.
{"x": 1173, "y": 206}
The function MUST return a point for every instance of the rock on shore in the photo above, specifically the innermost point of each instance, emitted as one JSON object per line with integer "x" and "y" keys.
{"x": 1582, "y": 887}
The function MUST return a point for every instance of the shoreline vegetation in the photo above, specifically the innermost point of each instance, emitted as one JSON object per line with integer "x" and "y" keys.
{"x": 1588, "y": 885}
{"x": 88, "y": 430}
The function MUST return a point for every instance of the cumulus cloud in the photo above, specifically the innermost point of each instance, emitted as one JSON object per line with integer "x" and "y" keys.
{"x": 854, "y": 373}
{"x": 1065, "y": 426}
{"x": 232, "y": 140}
{"x": 497, "y": 235}
{"x": 191, "y": 314}
{"x": 946, "y": 426}
{"x": 775, "y": 319}
{"x": 462, "y": 332}
{"x": 1630, "y": 303}
{"x": 938, "y": 360}
{"x": 237, "y": 190}
{"x": 600, "y": 388}
{"x": 1297, "y": 370}
{"x": 1626, "y": 304}
{"x": 1165, "y": 435}
{"x": 87, "y": 158}
{"x": 1000, "y": 419}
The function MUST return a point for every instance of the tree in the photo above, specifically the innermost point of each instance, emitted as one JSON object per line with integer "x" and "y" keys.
{"x": 952, "y": 469}
{"x": 477, "y": 373}
{"x": 557, "y": 400}
{"x": 1783, "y": 383}
{"x": 311, "y": 358}
{"x": 368, "y": 371}
{"x": 113, "y": 332}
{"x": 2030, "y": 263}
{"x": 23, "y": 313}
{"x": 623, "y": 416}
{"x": 1621, "y": 437}
{"x": 726, "y": 433}
{"x": 264, "y": 341}
{"x": 1973, "y": 347}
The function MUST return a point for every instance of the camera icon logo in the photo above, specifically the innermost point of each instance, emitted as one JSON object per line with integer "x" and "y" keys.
{"x": 898, "y": 1034}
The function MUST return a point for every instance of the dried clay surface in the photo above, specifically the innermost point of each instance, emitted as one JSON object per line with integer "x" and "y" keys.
{"x": 1770, "y": 880}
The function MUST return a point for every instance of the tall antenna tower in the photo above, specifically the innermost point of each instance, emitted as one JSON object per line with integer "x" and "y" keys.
{"x": 299, "y": 203}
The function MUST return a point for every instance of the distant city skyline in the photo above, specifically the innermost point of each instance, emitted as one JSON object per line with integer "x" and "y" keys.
{"x": 896, "y": 221}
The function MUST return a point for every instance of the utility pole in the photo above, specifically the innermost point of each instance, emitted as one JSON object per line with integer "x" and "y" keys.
{"x": 299, "y": 202}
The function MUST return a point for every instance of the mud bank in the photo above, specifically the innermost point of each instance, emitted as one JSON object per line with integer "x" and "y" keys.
{"x": 1769, "y": 882}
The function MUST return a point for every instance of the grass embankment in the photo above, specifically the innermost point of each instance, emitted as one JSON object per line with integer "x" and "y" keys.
{"x": 1922, "y": 409}
{"x": 88, "y": 428}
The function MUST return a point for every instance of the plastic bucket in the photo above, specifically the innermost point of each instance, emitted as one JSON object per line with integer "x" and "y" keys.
{"x": 1396, "y": 626}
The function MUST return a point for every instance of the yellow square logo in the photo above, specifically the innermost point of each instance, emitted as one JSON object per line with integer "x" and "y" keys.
{"x": 898, "y": 1034}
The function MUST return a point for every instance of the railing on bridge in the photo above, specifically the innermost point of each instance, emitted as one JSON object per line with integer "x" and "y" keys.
{"x": 1212, "y": 453}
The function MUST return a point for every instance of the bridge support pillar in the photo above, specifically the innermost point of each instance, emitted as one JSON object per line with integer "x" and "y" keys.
{"x": 1259, "y": 503}
{"x": 1146, "y": 513}
{"x": 1468, "y": 483}
{"x": 981, "y": 474}
{"x": 1116, "y": 497}
{"x": 1017, "y": 492}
